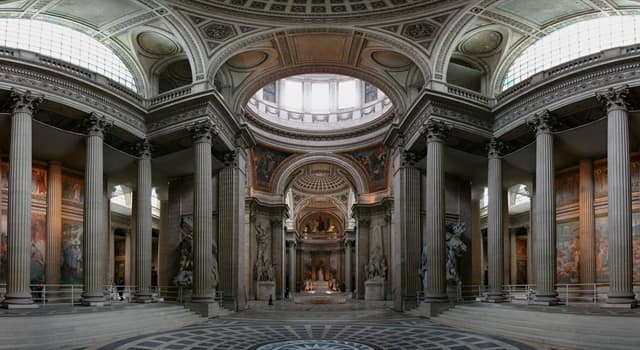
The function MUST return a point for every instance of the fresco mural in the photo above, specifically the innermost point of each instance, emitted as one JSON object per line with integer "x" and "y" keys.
{"x": 72, "y": 252}
{"x": 38, "y": 239}
{"x": 72, "y": 191}
{"x": 600, "y": 180}
{"x": 266, "y": 161}
{"x": 567, "y": 253}
{"x": 373, "y": 161}
{"x": 635, "y": 220}
{"x": 635, "y": 175}
{"x": 567, "y": 188}
{"x": 39, "y": 183}
{"x": 602, "y": 249}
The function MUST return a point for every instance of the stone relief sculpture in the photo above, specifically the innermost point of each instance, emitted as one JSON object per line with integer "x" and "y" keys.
{"x": 376, "y": 268}
{"x": 455, "y": 249}
{"x": 215, "y": 277}
{"x": 263, "y": 267}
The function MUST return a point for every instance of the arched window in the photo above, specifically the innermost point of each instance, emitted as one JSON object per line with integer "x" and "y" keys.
{"x": 65, "y": 44}
{"x": 571, "y": 42}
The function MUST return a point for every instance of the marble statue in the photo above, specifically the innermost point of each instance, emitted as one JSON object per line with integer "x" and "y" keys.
{"x": 215, "y": 277}
{"x": 423, "y": 272}
{"x": 455, "y": 249}
{"x": 376, "y": 268}
{"x": 263, "y": 267}
{"x": 184, "y": 277}
{"x": 320, "y": 274}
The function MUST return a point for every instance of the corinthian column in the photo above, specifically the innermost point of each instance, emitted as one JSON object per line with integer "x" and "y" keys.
{"x": 202, "y": 133}
{"x": 436, "y": 291}
{"x": 19, "y": 201}
{"x": 619, "y": 192}
{"x": 545, "y": 212}
{"x": 143, "y": 223}
{"x": 94, "y": 232}
{"x": 54, "y": 223}
{"x": 495, "y": 222}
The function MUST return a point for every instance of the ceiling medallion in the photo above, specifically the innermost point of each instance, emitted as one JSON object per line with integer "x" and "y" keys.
{"x": 481, "y": 43}
{"x": 157, "y": 44}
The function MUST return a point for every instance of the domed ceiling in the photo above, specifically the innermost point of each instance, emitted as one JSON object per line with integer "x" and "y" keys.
{"x": 321, "y": 9}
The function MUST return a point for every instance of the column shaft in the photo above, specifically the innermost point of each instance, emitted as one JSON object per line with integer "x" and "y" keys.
{"x": 292, "y": 267}
{"x": 94, "y": 232}
{"x": 619, "y": 192}
{"x": 202, "y": 222}
{"x": 545, "y": 220}
{"x": 54, "y": 223}
{"x": 495, "y": 230}
{"x": 19, "y": 202}
{"x": 143, "y": 225}
{"x": 587, "y": 224}
{"x": 436, "y": 249}
{"x": 347, "y": 267}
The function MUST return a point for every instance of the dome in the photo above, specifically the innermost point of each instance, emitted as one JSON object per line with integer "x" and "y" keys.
{"x": 319, "y": 102}
{"x": 320, "y": 181}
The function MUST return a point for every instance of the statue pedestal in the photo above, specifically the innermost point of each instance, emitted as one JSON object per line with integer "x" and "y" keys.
{"x": 264, "y": 289}
{"x": 374, "y": 290}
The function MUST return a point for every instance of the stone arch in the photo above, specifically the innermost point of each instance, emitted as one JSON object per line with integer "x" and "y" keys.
{"x": 287, "y": 171}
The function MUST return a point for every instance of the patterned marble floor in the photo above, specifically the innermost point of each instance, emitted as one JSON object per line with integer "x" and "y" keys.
{"x": 380, "y": 333}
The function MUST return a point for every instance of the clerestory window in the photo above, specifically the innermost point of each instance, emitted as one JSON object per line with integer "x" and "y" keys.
{"x": 573, "y": 41}
{"x": 65, "y": 44}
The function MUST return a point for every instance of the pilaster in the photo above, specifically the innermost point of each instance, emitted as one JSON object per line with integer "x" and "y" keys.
{"x": 54, "y": 223}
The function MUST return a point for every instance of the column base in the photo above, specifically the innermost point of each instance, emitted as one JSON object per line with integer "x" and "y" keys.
{"x": 19, "y": 306}
{"x": 620, "y": 301}
{"x": 143, "y": 298}
{"x": 545, "y": 299}
{"x": 208, "y": 310}
{"x": 494, "y": 298}
{"x": 428, "y": 310}
{"x": 96, "y": 300}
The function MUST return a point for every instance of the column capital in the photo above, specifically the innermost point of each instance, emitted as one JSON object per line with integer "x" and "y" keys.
{"x": 143, "y": 149}
{"x": 408, "y": 159}
{"x": 348, "y": 243}
{"x": 202, "y": 131}
{"x": 495, "y": 148}
{"x": 275, "y": 221}
{"x": 542, "y": 123}
{"x": 436, "y": 130}
{"x": 230, "y": 159}
{"x": 24, "y": 101}
{"x": 97, "y": 125}
{"x": 292, "y": 243}
{"x": 614, "y": 98}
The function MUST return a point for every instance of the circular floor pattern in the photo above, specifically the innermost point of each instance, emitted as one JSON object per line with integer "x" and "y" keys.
{"x": 314, "y": 344}
{"x": 381, "y": 334}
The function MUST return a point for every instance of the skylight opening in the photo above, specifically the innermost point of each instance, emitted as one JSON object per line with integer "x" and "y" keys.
{"x": 65, "y": 44}
{"x": 572, "y": 42}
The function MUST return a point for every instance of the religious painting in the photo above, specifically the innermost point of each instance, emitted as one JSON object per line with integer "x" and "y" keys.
{"x": 567, "y": 188}
{"x": 72, "y": 191}
{"x": 38, "y": 246}
{"x": 39, "y": 182}
{"x": 266, "y": 161}
{"x": 373, "y": 162}
{"x": 4, "y": 244}
{"x": 635, "y": 175}
{"x": 521, "y": 260}
{"x": 636, "y": 246}
{"x": 600, "y": 181}
{"x": 72, "y": 257}
{"x": 602, "y": 249}
{"x": 318, "y": 224}
{"x": 567, "y": 252}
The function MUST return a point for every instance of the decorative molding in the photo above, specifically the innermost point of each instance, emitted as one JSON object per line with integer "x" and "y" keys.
{"x": 144, "y": 148}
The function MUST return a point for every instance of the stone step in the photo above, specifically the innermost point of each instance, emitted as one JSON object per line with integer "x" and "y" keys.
{"x": 64, "y": 331}
{"x": 539, "y": 329}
